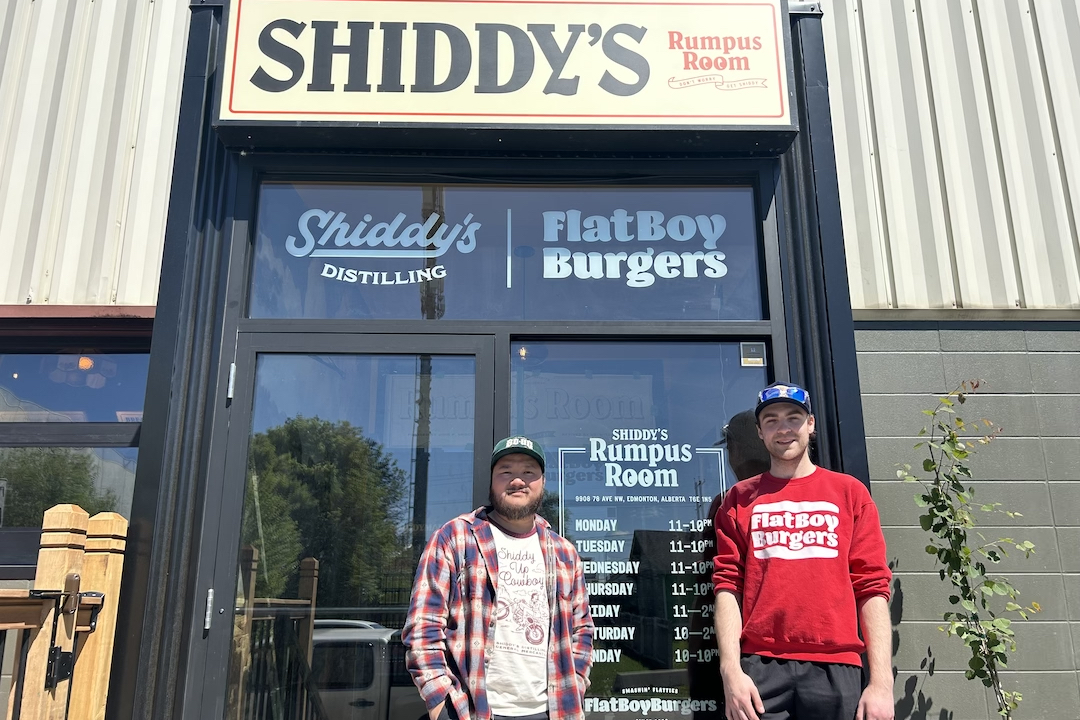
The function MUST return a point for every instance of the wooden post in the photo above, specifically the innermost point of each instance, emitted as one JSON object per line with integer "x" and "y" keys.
{"x": 241, "y": 642}
{"x": 16, "y": 637}
{"x": 308, "y": 590}
{"x": 103, "y": 565}
{"x": 59, "y": 565}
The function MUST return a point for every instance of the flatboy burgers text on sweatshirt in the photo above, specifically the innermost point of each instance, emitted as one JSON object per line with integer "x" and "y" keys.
{"x": 802, "y": 553}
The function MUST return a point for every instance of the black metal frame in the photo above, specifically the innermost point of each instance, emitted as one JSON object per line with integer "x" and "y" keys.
{"x": 163, "y": 665}
{"x": 524, "y": 170}
{"x": 67, "y": 334}
{"x": 73, "y": 434}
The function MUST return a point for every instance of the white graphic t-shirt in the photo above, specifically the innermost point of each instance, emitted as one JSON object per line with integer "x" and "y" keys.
{"x": 517, "y": 662}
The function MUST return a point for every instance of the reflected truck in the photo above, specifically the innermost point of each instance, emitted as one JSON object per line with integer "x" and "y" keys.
{"x": 359, "y": 670}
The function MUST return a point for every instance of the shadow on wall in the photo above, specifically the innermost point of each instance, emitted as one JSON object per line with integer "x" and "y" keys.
{"x": 914, "y": 705}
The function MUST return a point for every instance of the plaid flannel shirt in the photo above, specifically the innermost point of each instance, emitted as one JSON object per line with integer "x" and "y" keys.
{"x": 451, "y": 619}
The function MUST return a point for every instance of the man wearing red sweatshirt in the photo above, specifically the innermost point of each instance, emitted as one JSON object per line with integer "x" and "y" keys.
{"x": 800, "y": 564}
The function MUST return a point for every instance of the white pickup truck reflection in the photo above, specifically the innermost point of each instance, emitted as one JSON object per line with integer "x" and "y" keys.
{"x": 359, "y": 670}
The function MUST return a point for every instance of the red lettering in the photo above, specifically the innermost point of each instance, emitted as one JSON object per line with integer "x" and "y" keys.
{"x": 690, "y": 61}
{"x": 674, "y": 40}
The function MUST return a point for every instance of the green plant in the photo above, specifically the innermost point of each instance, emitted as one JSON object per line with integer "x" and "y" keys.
{"x": 949, "y": 517}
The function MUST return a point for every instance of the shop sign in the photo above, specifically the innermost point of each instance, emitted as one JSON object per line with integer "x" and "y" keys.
{"x": 506, "y": 62}
{"x": 650, "y": 587}
{"x": 480, "y": 253}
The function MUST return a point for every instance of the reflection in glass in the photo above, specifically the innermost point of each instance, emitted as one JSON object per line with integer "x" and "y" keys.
{"x": 631, "y": 432}
{"x": 72, "y": 388}
{"x": 353, "y": 461}
{"x": 36, "y": 478}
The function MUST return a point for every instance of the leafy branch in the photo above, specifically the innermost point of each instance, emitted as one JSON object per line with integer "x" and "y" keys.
{"x": 949, "y": 517}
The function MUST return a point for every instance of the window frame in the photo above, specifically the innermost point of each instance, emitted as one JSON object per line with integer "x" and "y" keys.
{"x": 59, "y": 336}
{"x": 64, "y": 336}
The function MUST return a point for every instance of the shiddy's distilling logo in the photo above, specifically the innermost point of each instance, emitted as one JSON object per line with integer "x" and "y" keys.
{"x": 334, "y": 234}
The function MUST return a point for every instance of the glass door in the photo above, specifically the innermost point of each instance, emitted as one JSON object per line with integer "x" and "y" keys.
{"x": 352, "y": 451}
{"x": 641, "y": 449}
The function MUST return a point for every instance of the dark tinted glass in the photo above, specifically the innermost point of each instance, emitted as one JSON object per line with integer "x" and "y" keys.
{"x": 342, "y": 665}
{"x": 631, "y": 431}
{"x": 72, "y": 388}
{"x": 532, "y": 253}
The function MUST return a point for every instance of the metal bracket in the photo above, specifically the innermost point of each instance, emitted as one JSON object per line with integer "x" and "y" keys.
{"x": 232, "y": 382}
{"x": 61, "y": 664}
{"x": 94, "y": 610}
{"x": 805, "y": 8}
{"x": 209, "y": 616}
{"x": 66, "y": 602}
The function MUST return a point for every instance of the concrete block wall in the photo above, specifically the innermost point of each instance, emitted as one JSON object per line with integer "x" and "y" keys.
{"x": 1032, "y": 391}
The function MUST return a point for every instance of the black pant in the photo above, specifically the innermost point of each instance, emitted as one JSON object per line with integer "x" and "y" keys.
{"x": 798, "y": 690}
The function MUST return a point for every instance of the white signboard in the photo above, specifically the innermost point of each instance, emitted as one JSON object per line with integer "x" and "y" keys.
{"x": 506, "y": 62}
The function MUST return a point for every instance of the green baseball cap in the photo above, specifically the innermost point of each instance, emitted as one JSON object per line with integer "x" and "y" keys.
{"x": 518, "y": 444}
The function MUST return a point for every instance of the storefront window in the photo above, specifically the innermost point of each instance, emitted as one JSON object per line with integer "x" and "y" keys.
{"x": 531, "y": 253}
{"x": 72, "y": 387}
{"x": 631, "y": 432}
{"x": 55, "y": 445}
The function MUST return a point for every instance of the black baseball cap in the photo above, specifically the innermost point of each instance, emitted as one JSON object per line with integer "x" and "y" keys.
{"x": 518, "y": 444}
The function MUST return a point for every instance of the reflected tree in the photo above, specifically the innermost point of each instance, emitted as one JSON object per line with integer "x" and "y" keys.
{"x": 549, "y": 510}
{"x": 322, "y": 489}
{"x": 38, "y": 478}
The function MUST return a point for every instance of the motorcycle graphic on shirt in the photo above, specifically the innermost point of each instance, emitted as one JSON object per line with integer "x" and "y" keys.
{"x": 528, "y": 616}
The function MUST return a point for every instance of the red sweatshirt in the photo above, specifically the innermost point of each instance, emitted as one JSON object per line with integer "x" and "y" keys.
{"x": 801, "y": 553}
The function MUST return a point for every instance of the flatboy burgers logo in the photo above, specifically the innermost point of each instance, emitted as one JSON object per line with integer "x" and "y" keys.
{"x": 506, "y": 61}
{"x": 795, "y": 530}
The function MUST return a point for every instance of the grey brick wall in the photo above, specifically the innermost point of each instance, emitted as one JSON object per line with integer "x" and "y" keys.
{"x": 1031, "y": 392}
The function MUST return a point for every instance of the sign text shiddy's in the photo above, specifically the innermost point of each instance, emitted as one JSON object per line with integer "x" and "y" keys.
{"x": 506, "y": 62}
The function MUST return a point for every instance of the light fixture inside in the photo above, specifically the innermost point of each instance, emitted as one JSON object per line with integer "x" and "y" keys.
{"x": 83, "y": 371}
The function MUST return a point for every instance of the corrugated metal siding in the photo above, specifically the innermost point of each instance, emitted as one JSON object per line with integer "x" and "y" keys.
{"x": 958, "y": 159}
{"x": 89, "y": 95}
{"x": 957, "y": 153}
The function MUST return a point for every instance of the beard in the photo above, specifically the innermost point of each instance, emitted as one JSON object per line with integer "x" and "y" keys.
{"x": 515, "y": 512}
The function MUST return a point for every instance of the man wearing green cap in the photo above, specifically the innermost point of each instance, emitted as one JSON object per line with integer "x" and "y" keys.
{"x": 499, "y": 624}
